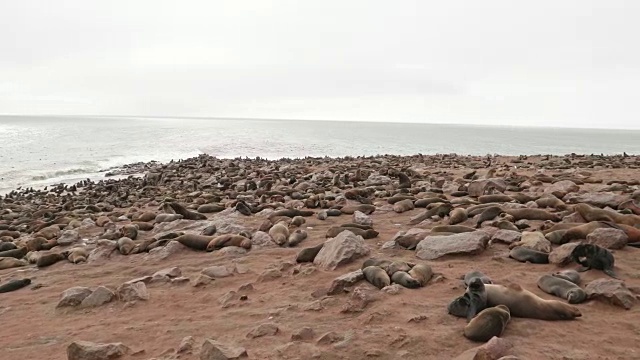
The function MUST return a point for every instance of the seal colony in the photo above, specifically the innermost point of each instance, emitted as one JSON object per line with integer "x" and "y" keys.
{"x": 480, "y": 244}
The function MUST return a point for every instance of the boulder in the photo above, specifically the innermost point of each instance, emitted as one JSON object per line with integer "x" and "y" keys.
{"x": 362, "y": 218}
{"x": 561, "y": 255}
{"x": 85, "y": 350}
{"x": 99, "y": 296}
{"x": 217, "y": 271}
{"x": 612, "y": 291}
{"x": 73, "y": 296}
{"x": 68, "y": 237}
{"x": 435, "y": 246}
{"x": 561, "y": 188}
{"x": 214, "y": 350}
{"x": 340, "y": 250}
{"x": 608, "y": 238}
{"x": 267, "y": 329}
{"x": 533, "y": 240}
{"x": 131, "y": 292}
{"x": 343, "y": 281}
{"x": 506, "y": 236}
{"x": 261, "y": 238}
{"x": 600, "y": 199}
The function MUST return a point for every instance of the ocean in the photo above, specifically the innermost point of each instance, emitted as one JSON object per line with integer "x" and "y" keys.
{"x": 39, "y": 151}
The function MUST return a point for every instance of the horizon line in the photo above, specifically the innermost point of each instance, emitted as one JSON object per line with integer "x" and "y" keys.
{"x": 319, "y": 120}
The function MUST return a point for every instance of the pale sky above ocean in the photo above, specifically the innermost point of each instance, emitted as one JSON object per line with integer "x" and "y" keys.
{"x": 536, "y": 63}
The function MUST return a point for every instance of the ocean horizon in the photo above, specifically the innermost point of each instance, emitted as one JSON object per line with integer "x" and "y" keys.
{"x": 43, "y": 150}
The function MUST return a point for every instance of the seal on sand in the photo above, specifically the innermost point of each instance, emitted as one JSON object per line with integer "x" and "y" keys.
{"x": 524, "y": 254}
{"x": 49, "y": 259}
{"x": 125, "y": 245}
{"x": 366, "y": 234}
{"x": 396, "y": 266}
{"x": 569, "y": 275}
{"x": 422, "y": 273}
{"x": 472, "y": 302}
{"x": 457, "y": 216}
{"x": 488, "y": 323}
{"x": 525, "y": 304}
{"x": 309, "y": 254}
{"x": 475, "y": 273}
{"x": 77, "y": 255}
{"x": 228, "y": 240}
{"x": 279, "y": 233}
{"x": 403, "y": 278}
{"x": 188, "y": 215}
{"x": 376, "y": 276}
{"x": 296, "y": 237}
{"x": 595, "y": 257}
{"x": 195, "y": 242}
{"x": 209, "y": 230}
{"x": 10, "y": 262}
{"x": 532, "y": 214}
{"x": 13, "y": 285}
{"x": 409, "y": 242}
{"x": 562, "y": 288}
{"x": 161, "y": 218}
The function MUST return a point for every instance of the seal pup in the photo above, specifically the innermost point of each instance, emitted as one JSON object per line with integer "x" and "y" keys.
{"x": 125, "y": 245}
{"x": 49, "y": 259}
{"x": 405, "y": 279}
{"x": 489, "y": 213}
{"x": 228, "y": 240}
{"x": 475, "y": 273}
{"x": 209, "y": 230}
{"x": 377, "y": 276}
{"x": 13, "y": 285}
{"x": 279, "y": 233}
{"x": 309, "y": 254}
{"x": 10, "y": 262}
{"x": 592, "y": 256}
{"x": 562, "y": 288}
{"x": 77, "y": 255}
{"x": 488, "y": 323}
{"x": 472, "y": 302}
{"x": 396, "y": 266}
{"x": 569, "y": 275}
{"x": 457, "y": 216}
{"x": 296, "y": 237}
{"x": 524, "y": 254}
{"x": 525, "y": 304}
{"x": 422, "y": 273}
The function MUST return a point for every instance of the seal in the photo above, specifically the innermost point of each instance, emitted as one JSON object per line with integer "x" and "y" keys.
{"x": 457, "y": 216}
{"x": 13, "y": 285}
{"x": 376, "y": 276}
{"x": 162, "y": 218}
{"x": 524, "y": 254}
{"x": 125, "y": 245}
{"x": 15, "y": 253}
{"x": 454, "y": 229}
{"x": 569, "y": 275}
{"x": 472, "y": 302}
{"x": 366, "y": 234}
{"x": 475, "y": 273}
{"x": 364, "y": 208}
{"x": 10, "y": 246}
{"x": 195, "y": 242}
{"x": 279, "y": 233}
{"x": 488, "y": 323}
{"x": 143, "y": 226}
{"x": 562, "y": 288}
{"x": 297, "y": 221}
{"x": 209, "y": 230}
{"x": 423, "y": 203}
{"x": 409, "y": 242}
{"x": 291, "y": 213}
{"x": 489, "y": 213}
{"x": 359, "y": 226}
{"x": 309, "y": 254}
{"x": 186, "y": 214}
{"x": 590, "y": 213}
{"x": 495, "y": 198}
{"x": 228, "y": 240}
{"x": 403, "y": 206}
{"x": 422, "y": 273}
{"x": 49, "y": 259}
{"x": 532, "y": 214}
{"x": 595, "y": 257}
{"x": 77, "y": 255}
{"x": 525, "y": 304}
{"x": 405, "y": 279}
{"x": 296, "y": 237}
{"x": 10, "y": 262}
{"x": 129, "y": 231}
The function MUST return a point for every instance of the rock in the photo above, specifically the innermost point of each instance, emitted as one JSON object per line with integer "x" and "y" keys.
{"x": 533, "y": 240}
{"x": 478, "y": 187}
{"x": 561, "y": 188}
{"x": 186, "y": 345}
{"x": 341, "y": 250}
{"x": 261, "y": 238}
{"x": 225, "y": 223}
{"x": 85, "y": 350}
{"x": 173, "y": 272}
{"x": 144, "y": 279}
{"x": 214, "y": 350}
{"x": 68, "y": 237}
{"x": 103, "y": 251}
{"x": 131, "y": 292}
{"x": 201, "y": 280}
{"x": 435, "y": 246}
{"x": 377, "y": 180}
{"x": 600, "y": 199}
{"x": 393, "y": 289}
{"x": 73, "y": 296}
{"x": 362, "y": 218}
{"x": 172, "y": 248}
{"x": 561, "y": 255}
{"x": 612, "y": 291}
{"x": 180, "y": 280}
{"x": 389, "y": 245}
{"x": 99, "y": 296}
{"x": 493, "y": 349}
{"x": 217, "y": 272}
{"x": 341, "y": 282}
{"x": 573, "y": 218}
{"x": 360, "y": 299}
{"x": 231, "y": 251}
{"x": 303, "y": 334}
{"x": 608, "y": 238}
{"x": 506, "y": 236}
{"x": 268, "y": 329}
{"x": 330, "y": 338}
{"x": 270, "y": 274}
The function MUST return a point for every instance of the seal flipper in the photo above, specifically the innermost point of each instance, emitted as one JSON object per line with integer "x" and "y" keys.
{"x": 472, "y": 311}
{"x": 611, "y": 273}
{"x": 583, "y": 269}
{"x": 634, "y": 244}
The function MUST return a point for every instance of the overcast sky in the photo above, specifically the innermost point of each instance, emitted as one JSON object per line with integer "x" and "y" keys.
{"x": 553, "y": 63}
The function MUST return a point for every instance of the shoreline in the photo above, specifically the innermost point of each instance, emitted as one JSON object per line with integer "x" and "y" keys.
{"x": 266, "y": 256}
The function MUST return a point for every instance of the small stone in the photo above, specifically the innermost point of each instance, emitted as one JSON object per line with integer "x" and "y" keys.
{"x": 269, "y": 275}
{"x": 608, "y": 238}
{"x": 330, "y": 338}
{"x": 389, "y": 245}
{"x": 313, "y": 306}
{"x": 340, "y": 283}
{"x": 506, "y": 236}
{"x": 268, "y": 329}
{"x": 217, "y": 272}
{"x": 186, "y": 345}
{"x": 180, "y": 280}
{"x": 74, "y": 296}
{"x": 85, "y": 350}
{"x": 418, "y": 318}
{"x": 246, "y": 287}
{"x": 144, "y": 279}
{"x": 99, "y": 296}
{"x": 214, "y": 350}
{"x": 173, "y": 272}
{"x": 303, "y": 334}
{"x": 393, "y": 289}
{"x": 131, "y": 292}
{"x": 533, "y": 240}
{"x": 360, "y": 299}
{"x": 202, "y": 279}
{"x": 231, "y": 251}
{"x": 362, "y": 218}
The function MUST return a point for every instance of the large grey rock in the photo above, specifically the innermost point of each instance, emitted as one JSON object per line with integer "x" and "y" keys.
{"x": 261, "y": 238}
{"x": 214, "y": 350}
{"x": 561, "y": 188}
{"x": 376, "y": 180}
{"x": 362, "y": 218}
{"x": 561, "y": 255}
{"x": 600, "y": 199}
{"x": 99, "y": 296}
{"x": 73, "y": 296}
{"x": 218, "y": 271}
{"x": 68, "y": 237}
{"x": 266, "y": 329}
{"x": 172, "y": 248}
{"x": 608, "y": 238}
{"x": 533, "y": 240}
{"x": 85, "y": 350}
{"x": 612, "y": 291}
{"x": 478, "y": 187}
{"x": 103, "y": 251}
{"x": 341, "y": 250}
{"x": 343, "y": 281}
{"x": 131, "y": 292}
{"x": 506, "y": 236}
{"x": 435, "y": 246}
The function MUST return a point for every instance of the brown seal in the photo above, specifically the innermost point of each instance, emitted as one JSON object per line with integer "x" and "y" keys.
{"x": 279, "y": 233}
{"x": 376, "y": 276}
{"x": 193, "y": 241}
{"x": 4, "y": 246}
{"x": 524, "y": 254}
{"x": 11, "y": 262}
{"x": 562, "y": 288}
{"x": 403, "y": 206}
{"x": 125, "y": 245}
{"x": 403, "y": 278}
{"x": 229, "y": 240}
{"x": 77, "y": 255}
{"x": 422, "y": 273}
{"x": 188, "y": 215}
{"x": 454, "y": 229}
{"x": 532, "y": 214}
{"x": 18, "y": 253}
{"x": 590, "y": 213}
{"x": 396, "y": 266}
{"x": 410, "y": 242}
{"x": 488, "y": 323}
{"x": 309, "y": 254}
{"x": 494, "y": 198}
{"x": 143, "y": 226}
{"x": 297, "y": 221}
{"x": 296, "y": 237}
{"x": 525, "y": 304}
{"x": 457, "y": 216}
{"x": 129, "y": 231}
{"x": 162, "y": 218}
{"x": 364, "y": 208}
{"x": 569, "y": 275}
{"x": 489, "y": 213}
{"x": 366, "y": 234}
{"x": 45, "y": 260}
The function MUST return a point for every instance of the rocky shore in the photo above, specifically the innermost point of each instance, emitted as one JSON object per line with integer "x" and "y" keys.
{"x": 319, "y": 258}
